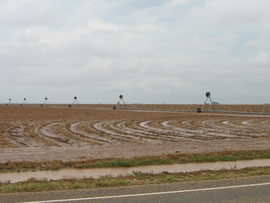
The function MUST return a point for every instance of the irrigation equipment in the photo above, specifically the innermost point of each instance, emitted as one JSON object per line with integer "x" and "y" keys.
{"x": 121, "y": 97}
{"x": 208, "y": 98}
{"x": 75, "y": 101}
{"x": 9, "y": 101}
{"x": 120, "y": 102}
{"x": 45, "y": 100}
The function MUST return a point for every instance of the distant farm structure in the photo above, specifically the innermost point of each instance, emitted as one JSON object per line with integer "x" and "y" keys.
{"x": 208, "y": 106}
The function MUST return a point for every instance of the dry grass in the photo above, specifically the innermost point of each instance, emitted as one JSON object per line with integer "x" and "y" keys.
{"x": 140, "y": 161}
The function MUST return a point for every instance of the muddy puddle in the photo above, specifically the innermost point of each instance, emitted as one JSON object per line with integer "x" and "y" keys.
{"x": 114, "y": 172}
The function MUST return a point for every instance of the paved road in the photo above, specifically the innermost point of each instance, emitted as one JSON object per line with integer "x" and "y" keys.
{"x": 254, "y": 189}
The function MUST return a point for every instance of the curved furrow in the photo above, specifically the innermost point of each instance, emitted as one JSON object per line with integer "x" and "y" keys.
{"x": 219, "y": 131}
{"x": 4, "y": 141}
{"x": 200, "y": 126}
{"x": 188, "y": 124}
{"x": 265, "y": 125}
{"x": 73, "y": 138}
{"x": 118, "y": 131}
{"x": 133, "y": 127}
{"x": 108, "y": 126}
{"x": 165, "y": 126}
{"x": 157, "y": 134}
{"x": 250, "y": 123}
{"x": 213, "y": 124}
{"x": 171, "y": 127}
{"x": 144, "y": 138}
{"x": 188, "y": 128}
{"x": 233, "y": 128}
{"x": 89, "y": 127}
{"x": 199, "y": 133}
{"x": 48, "y": 131}
{"x": 77, "y": 128}
{"x": 15, "y": 135}
{"x": 149, "y": 133}
{"x": 172, "y": 135}
{"x": 230, "y": 130}
{"x": 84, "y": 133}
{"x": 208, "y": 125}
{"x": 207, "y": 131}
{"x": 220, "y": 124}
{"x": 259, "y": 124}
{"x": 254, "y": 126}
{"x": 115, "y": 137}
{"x": 203, "y": 133}
{"x": 28, "y": 138}
{"x": 127, "y": 127}
{"x": 31, "y": 131}
{"x": 247, "y": 122}
{"x": 267, "y": 122}
{"x": 243, "y": 131}
{"x": 47, "y": 140}
{"x": 238, "y": 124}
{"x": 183, "y": 131}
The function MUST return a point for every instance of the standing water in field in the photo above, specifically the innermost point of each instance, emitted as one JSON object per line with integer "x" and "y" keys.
{"x": 115, "y": 172}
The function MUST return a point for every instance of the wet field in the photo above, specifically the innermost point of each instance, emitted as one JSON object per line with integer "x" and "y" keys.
{"x": 32, "y": 133}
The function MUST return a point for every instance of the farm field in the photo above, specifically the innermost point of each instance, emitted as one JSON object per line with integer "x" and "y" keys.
{"x": 33, "y": 133}
{"x": 246, "y": 108}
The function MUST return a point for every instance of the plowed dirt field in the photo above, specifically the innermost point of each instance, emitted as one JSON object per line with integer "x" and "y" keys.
{"x": 40, "y": 134}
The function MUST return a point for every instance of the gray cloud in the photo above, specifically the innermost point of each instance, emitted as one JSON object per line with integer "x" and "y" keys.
{"x": 150, "y": 51}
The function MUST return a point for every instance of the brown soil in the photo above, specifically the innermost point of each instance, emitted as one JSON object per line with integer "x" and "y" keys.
{"x": 34, "y": 133}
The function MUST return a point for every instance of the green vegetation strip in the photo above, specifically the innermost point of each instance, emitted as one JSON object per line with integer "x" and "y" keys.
{"x": 135, "y": 179}
{"x": 143, "y": 161}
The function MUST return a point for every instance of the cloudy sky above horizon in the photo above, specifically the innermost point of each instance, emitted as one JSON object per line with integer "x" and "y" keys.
{"x": 151, "y": 51}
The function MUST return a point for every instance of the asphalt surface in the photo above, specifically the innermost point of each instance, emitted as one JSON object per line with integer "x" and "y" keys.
{"x": 205, "y": 191}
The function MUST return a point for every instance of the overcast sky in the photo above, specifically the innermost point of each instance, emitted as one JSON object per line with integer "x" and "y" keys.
{"x": 151, "y": 51}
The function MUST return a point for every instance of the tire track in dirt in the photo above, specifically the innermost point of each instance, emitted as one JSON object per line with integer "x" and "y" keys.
{"x": 16, "y": 136}
{"x": 4, "y": 141}
{"x": 124, "y": 125}
{"x": 82, "y": 131}
{"x": 111, "y": 132}
{"x": 169, "y": 135}
{"x": 106, "y": 127}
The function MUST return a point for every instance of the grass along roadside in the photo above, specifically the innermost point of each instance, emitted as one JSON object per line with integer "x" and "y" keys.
{"x": 142, "y": 161}
{"x": 135, "y": 179}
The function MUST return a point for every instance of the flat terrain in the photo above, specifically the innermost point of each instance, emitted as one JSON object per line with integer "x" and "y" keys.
{"x": 34, "y": 133}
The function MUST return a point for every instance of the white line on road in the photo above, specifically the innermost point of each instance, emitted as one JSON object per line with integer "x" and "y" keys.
{"x": 150, "y": 194}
